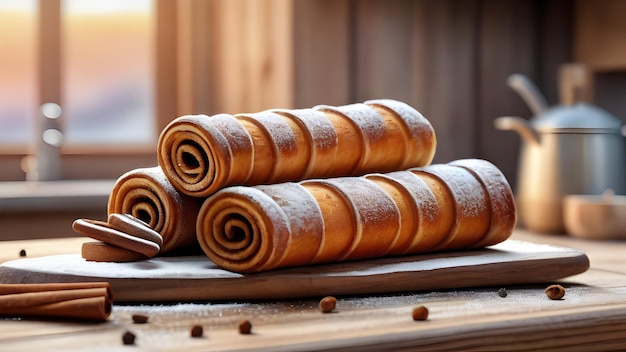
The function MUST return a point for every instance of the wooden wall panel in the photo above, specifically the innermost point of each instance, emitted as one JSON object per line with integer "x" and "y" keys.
{"x": 448, "y": 58}
{"x": 195, "y": 56}
{"x": 322, "y": 52}
{"x": 508, "y": 45}
{"x": 556, "y": 41}
{"x": 166, "y": 85}
{"x": 446, "y": 93}
{"x": 240, "y": 56}
{"x": 383, "y": 62}
{"x": 229, "y": 74}
{"x": 528, "y": 37}
{"x": 269, "y": 54}
{"x": 600, "y": 33}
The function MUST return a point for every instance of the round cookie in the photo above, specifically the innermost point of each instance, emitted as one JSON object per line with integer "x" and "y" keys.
{"x": 104, "y": 232}
{"x": 102, "y": 252}
{"x": 128, "y": 224}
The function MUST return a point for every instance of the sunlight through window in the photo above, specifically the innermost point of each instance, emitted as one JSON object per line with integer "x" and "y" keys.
{"x": 18, "y": 80}
{"x": 108, "y": 71}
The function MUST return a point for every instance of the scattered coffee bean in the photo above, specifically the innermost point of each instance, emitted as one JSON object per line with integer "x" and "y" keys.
{"x": 23, "y": 253}
{"x": 140, "y": 318}
{"x": 196, "y": 331}
{"x": 420, "y": 313}
{"x": 128, "y": 338}
{"x": 327, "y": 304}
{"x": 555, "y": 291}
{"x": 245, "y": 327}
{"x": 502, "y": 292}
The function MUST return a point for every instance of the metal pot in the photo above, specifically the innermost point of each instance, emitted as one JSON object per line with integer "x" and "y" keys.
{"x": 573, "y": 148}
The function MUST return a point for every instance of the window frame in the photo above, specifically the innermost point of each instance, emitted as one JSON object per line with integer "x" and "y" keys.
{"x": 78, "y": 161}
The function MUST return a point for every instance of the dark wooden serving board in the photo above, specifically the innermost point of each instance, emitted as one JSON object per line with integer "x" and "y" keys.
{"x": 196, "y": 278}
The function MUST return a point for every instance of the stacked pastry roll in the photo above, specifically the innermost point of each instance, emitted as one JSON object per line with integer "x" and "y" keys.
{"x": 147, "y": 195}
{"x": 201, "y": 154}
{"x": 464, "y": 204}
{"x": 280, "y": 188}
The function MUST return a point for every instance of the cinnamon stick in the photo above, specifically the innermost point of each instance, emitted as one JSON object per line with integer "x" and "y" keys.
{"x": 81, "y": 301}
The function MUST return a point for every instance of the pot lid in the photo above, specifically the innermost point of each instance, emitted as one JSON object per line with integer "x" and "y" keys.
{"x": 579, "y": 116}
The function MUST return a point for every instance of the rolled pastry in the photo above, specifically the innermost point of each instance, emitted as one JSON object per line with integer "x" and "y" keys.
{"x": 147, "y": 195}
{"x": 201, "y": 154}
{"x": 501, "y": 200}
{"x": 465, "y": 204}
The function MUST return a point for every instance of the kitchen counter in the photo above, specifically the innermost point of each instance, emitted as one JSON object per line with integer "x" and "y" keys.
{"x": 591, "y": 316}
{"x": 55, "y": 205}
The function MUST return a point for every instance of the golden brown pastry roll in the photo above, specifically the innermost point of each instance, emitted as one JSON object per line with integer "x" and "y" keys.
{"x": 368, "y": 213}
{"x": 201, "y": 154}
{"x": 422, "y": 223}
{"x": 147, "y": 195}
{"x": 437, "y": 207}
{"x": 501, "y": 200}
{"x": 404, "y": 123}
{"x": 467, "y": 203}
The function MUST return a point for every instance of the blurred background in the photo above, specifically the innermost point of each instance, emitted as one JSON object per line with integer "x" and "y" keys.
{"x": 102, "y": 78}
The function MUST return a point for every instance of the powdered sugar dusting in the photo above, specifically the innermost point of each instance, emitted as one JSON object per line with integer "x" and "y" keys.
{"x": 299, "y": 206}
{"x": 319, "y": 129}
{"x": 415, "y": 122}
{"x": 468, "y": 193}
{"x": 378, "y": 217}
{"x": 504, "y": 217}
{"x": 422, "y": 195}
{"x": 494, "y": 181}
{"x": 236, "y": 135}
{"x": 282, "y": 136}
{"x": 367, "y": 120}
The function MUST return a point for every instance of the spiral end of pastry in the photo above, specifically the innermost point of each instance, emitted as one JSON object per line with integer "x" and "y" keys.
{"x": 241, "y": 230}
{"x": 194, "y": 155}
{"x": 147, "y": 195}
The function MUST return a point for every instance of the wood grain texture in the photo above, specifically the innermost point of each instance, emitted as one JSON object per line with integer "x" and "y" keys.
{"x": 589, "y": 318}
{"x": 599, "y": 34}
{"x": 322, "y": 52}
{"x": 508, "y": 45}
{"x": 452, "y": 326}
{"x": 382, "y": 44}
{"x": 197, "y": 278}
{"x": 166, "y": 61}
{"x": 446, "y": 80}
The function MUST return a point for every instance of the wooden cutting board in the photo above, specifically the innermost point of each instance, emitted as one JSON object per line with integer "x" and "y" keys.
{"x": 196, "y": 278}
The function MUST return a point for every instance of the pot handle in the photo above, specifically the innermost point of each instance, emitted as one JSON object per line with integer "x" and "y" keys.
{"x": 529, "y": 92}
{"x": 575, "y": 83}
{"x": 518, "y": 124}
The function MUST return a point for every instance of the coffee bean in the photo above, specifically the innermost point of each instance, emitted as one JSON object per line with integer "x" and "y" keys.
{"x": 140, "y": 318}
{"x": 196, "y": 331}
{"x": 327, "y": 304}
{"x": 128, "y": 338}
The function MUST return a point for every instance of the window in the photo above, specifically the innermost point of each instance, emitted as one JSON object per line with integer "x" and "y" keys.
{"x": 97, "y": 61}
{"x": 107, "y": 66}
{"x": 120, "y": 70}
{"x": 18, "y": 92}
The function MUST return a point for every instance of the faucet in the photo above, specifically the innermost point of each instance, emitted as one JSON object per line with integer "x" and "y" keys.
{"x": 45, "y": 163}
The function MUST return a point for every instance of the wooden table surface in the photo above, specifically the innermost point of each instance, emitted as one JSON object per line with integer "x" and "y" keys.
{"x": 591, "y": 317}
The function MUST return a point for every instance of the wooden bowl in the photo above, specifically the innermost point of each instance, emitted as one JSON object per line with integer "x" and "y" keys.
{"x": 595, "y": 217}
